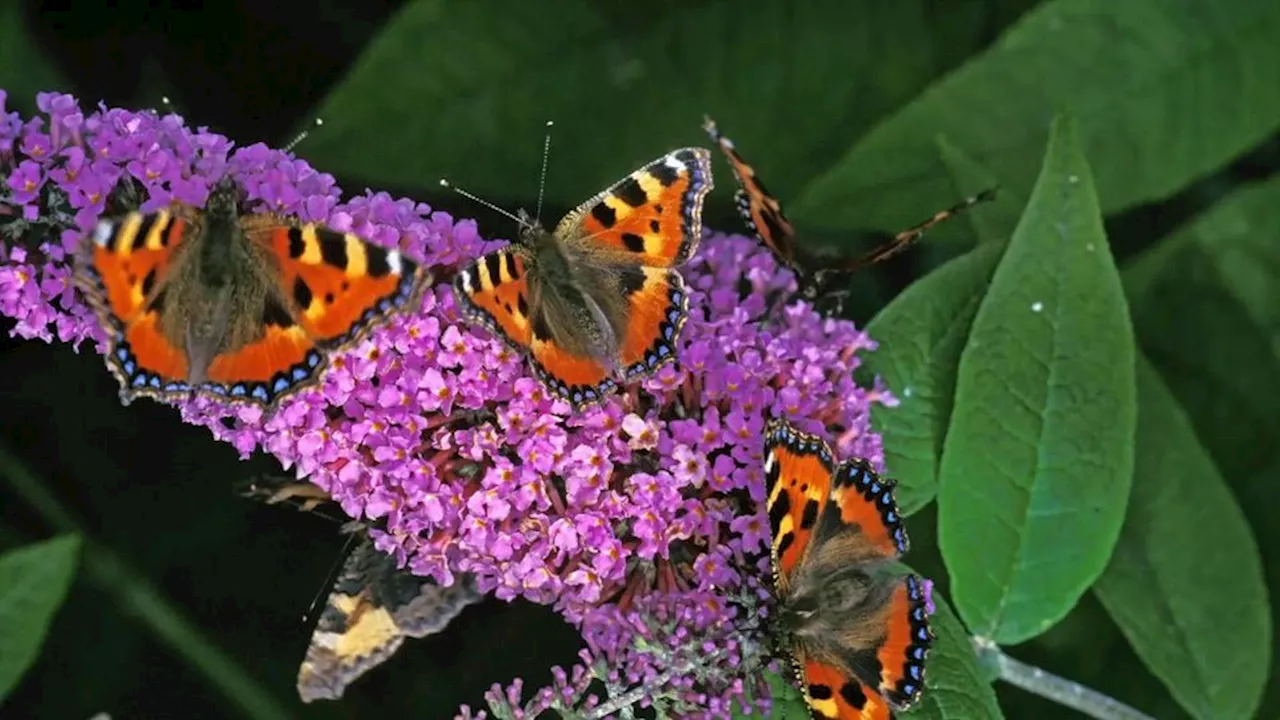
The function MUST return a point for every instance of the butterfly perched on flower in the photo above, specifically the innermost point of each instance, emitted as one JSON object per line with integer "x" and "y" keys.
{"x": 856, "y": 627}
{"x": 372, "y": 607}
{"x": 815, "y": 274}
{"x": 600, "y": 298}
{"x": 238, "y": 307}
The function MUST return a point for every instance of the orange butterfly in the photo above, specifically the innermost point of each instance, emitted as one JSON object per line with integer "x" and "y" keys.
{"x": 858, "y": 631}
{"x": 763, "y": 214}
{"x": 600, "y": 297}
{"x": 243, "y": 308}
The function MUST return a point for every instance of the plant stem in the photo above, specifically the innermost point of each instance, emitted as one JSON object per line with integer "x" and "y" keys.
{"x": 1056, "y": 688}
{"x": 137, "y": 598}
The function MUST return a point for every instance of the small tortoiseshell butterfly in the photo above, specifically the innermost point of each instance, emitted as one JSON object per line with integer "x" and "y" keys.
{"x": 763, "y": 214}
{"x": 372, "y": 607}
{"x": 858, "y": 631}
{"x": 599, "y": 298}
{"x": 239, "y": 307}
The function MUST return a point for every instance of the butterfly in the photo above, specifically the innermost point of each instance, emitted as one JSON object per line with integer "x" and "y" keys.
{"x": 599, "y": 298}
{"x": 239, "y": 307}
{"x": 815, "y": 275}
{"x": 372, "y": 607}
{"x": 857, "y": 630}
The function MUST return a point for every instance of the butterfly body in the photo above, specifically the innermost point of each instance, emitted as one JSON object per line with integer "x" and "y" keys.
{"x": 856, "y": 628}
{"x": 239, "y": 307}
{"x": 599, "y": 299}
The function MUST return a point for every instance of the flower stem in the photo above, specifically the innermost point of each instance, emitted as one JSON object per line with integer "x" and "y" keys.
{"x": 136, "y": 597}
{"x": 1055, "y": 688}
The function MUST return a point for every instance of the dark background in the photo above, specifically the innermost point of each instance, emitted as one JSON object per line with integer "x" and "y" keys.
{"x": 158, "y": 493}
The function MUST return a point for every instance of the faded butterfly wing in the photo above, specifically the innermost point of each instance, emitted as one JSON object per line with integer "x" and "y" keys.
{"x": 599, "y": 299}
{"x": 858, "y": 631}
{"x": 763, "y": 214}
{"x": 242, "y": 308}
{"x": 372, "y": 607}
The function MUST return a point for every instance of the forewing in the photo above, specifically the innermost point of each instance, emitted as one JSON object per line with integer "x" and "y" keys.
{"x": 760, "y": 210}
{"x": 798, "y": 469}
{"x": 336, "y": 284}
{"x": 651, "y": 217}
{"x": 123, "y": 268}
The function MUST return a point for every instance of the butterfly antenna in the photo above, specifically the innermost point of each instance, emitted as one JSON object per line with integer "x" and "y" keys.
{"x": 445, "y": 183}
{"x": 328, "y": 579}
{"x": 542, "y": 179}
{"x": 301, "y": 136}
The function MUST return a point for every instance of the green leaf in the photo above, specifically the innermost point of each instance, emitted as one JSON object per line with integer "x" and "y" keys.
{"x": 462, "y": 90}
{"x": 955, "y": 685}
{"x": 24, "y": 68}
{"x": 1206, "y": 310}
{"x": 1166, "y": 91}
{"x": 1216, "y": 283}
{"x": 921, "y": 335}
{"x": 1037, "y": 464}
{"x": 33, "y": 583}
{"x": 994, "y": 220}
{"x": 1185, "y": 582}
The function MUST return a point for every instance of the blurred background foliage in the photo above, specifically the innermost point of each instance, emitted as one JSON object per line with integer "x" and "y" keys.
{"x": 863, "y": 116}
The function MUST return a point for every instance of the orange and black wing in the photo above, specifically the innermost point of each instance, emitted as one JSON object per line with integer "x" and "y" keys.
{"x": 760, "y": 210}
{"x": 123, "y": 268}
{"x": 798, "y": 469}
{"x": 499, "y": 292}
{"x": 652, "y": 217}
{"x": 331, "y": 288}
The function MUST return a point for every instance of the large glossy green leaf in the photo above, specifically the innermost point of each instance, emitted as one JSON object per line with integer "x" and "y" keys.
{"x": 1185, "y": 581}
{"x": 24, "y": 67}
{"x": 462, "y": 89}
{"x": 33, "y": 583}
{"x": 921, "y": 334}
{"x": 955, "y": 686}
{"x": 1165, "y": 90}
{"x": 1038, "y": 460}
{"x": 1206, "y": 310}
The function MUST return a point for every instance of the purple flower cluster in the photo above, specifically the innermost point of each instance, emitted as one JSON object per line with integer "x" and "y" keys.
{"x": 636, "y": 519}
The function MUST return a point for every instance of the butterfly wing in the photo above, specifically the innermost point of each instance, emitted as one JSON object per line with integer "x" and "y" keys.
{"x": 123, "y": 268}
{"x": 760, "y": 210}
{"x": 906, "y": 644}
{"x": 652, "y": 217}
{"x": 861, "y": 499}
{"x": 798, "y": 469}
{"x": 325, "y": 290}
{"x": 833, "y": 694}
{"x": 372, "y": 609}
{"x": 500, "y": 292}
{"x": 657, "y": 307}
